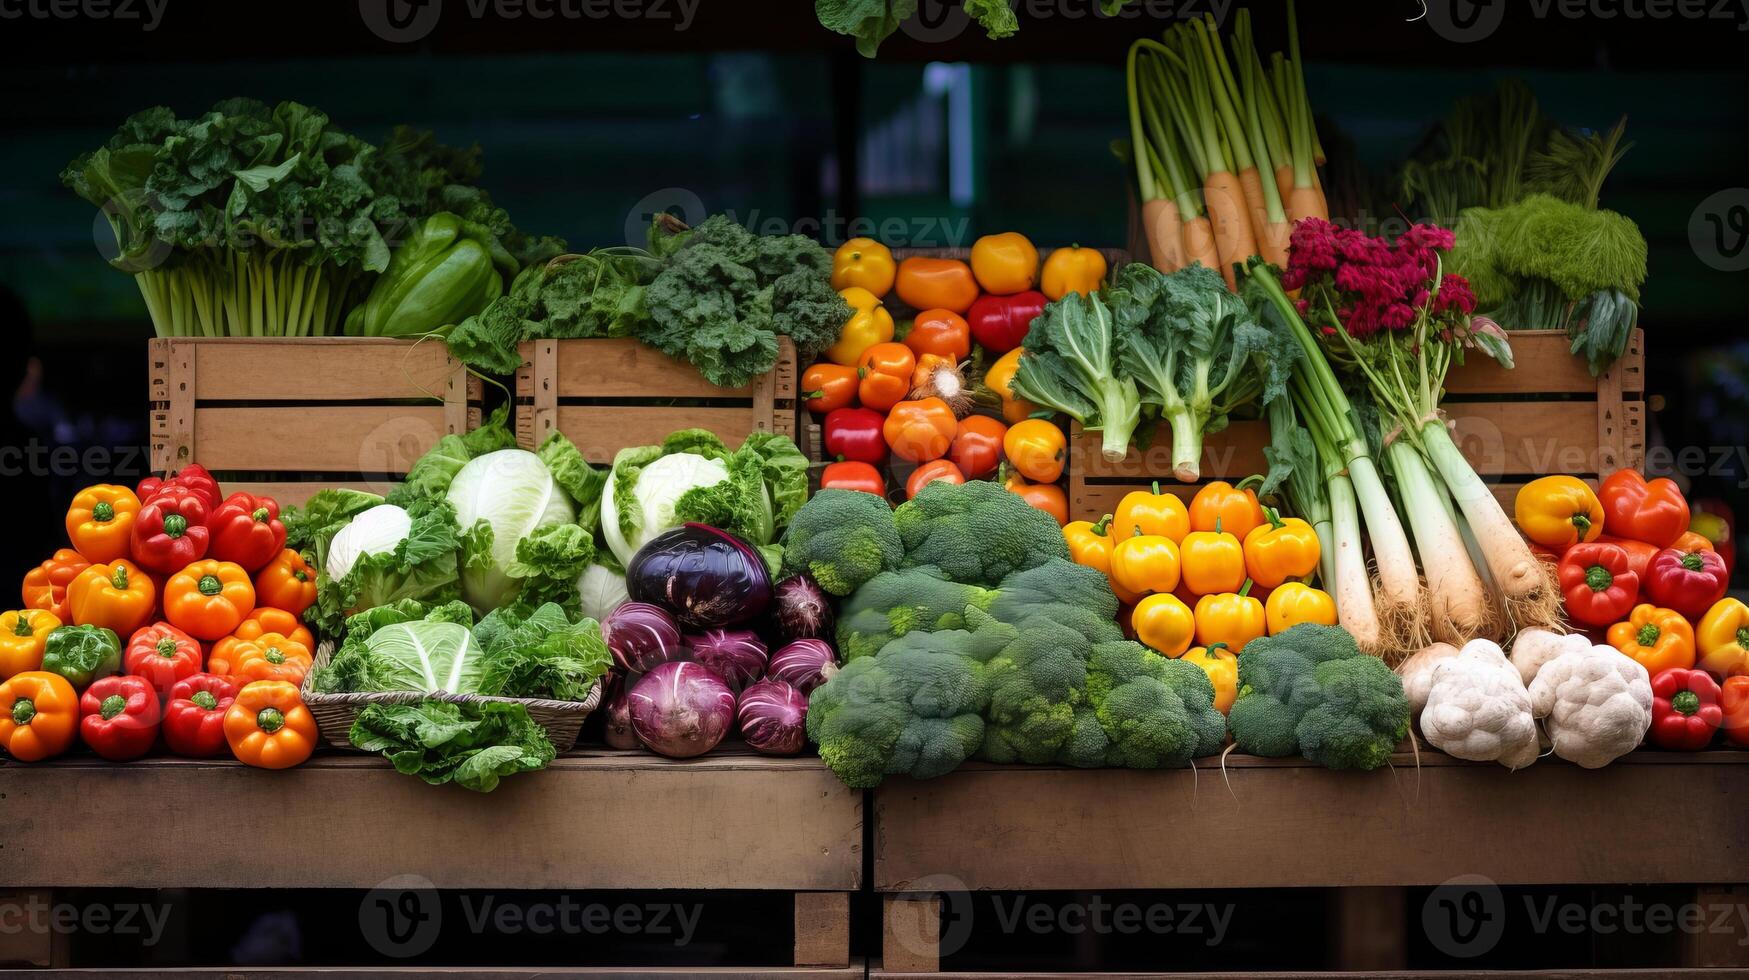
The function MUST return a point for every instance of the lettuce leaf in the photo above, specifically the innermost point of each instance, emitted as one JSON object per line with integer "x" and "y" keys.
{"x": 546, "y": 655}
{"x": 439, "y": 742}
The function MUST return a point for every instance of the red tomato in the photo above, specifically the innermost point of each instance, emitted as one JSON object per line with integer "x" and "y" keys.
{"x": 930, "y": 472}
{"x": 977, "y": 447}
{"x": 853, "y": 475}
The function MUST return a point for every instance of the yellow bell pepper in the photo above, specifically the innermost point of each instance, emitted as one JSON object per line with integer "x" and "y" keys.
{"x": 1091, "y": 544}
{"x": 1145, "y": 512}
{"x": 1558, "y": 512}
{"x": 1233, "y": 618}
{"x": 1164, "y": 623}
{"x": 1072, "y": 270}
{"x": 1279, "y": 549}
{"x": 864, "y": 263}
{"x": 1295, "y": 603}
{"x": 999, "y": 379}
{"x": 1145, "y": 563}
{"x": 101, "y": 521}
{"x": 23, "y": 632}
{"x": 1213, "y": 562}
{"x": 869, "y": 324}
{"x": 1722, "y": 639}
{"x": 1005, "y": 263}
{"x": 1223, "y": 669}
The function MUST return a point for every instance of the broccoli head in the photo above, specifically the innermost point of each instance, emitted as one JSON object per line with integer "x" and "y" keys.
{"x": 976, "y": 532}
{"x": 1143, "y": 711}
{"x": 842, "y": 538}
{"x": 1061, "y": 590}
{"x": 1036, "y": 682}
{"x": 915, "y": 708}
{"x": 1310, "y": 691}
{"x": 895, "y": 604}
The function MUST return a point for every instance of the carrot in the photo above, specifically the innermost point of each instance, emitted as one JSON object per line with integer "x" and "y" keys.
{"x": 1199, "y": 244}
{"x": 1156, "y": 152}
{"x": 1306, "y": 202}
{"x": 1230, "y": 215}
{"x": 1268, "y": 217}
{"x": 1165, "y": 233}
{"x": 1284, "y": 180}
{"x": 1306, "y": 198}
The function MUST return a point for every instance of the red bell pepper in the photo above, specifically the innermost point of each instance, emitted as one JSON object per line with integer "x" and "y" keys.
{"x": 193, "y": 476}
{"x": 1000, "y": 323}
{"x": 162, "y": 654}
{"x": 1685, "y": 709}
{"x": 853, "y": 476}
{"x": 1640, "y": 554}
{"x": 855, "y": 434}
{"x": 194, "y": 720}
{"x": 1597, "y": 583}
{"x": 246, "y": 531}
{"x": 118, "y": 717}
{"x": 1653, "y": 512}
{"x": 170, "y": 532}
{"x": 1686, "y": 581}
{"x": 1734, "y": 700}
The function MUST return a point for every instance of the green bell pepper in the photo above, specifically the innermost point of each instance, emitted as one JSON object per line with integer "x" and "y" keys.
{"x": 447, "y": 270}
{"x": 82, "y": 654}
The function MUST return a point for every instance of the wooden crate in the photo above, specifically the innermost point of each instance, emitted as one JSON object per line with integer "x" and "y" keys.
{"x": 289, "y": 416}
{"x": 595, "y": 819}
{"x": 609, "y": 394}
{"x": 1286, "y": 823}
{"x": 1546, "y": 415}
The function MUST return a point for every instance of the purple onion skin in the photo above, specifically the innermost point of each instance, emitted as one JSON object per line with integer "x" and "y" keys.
{"x": 641, "y": 637}
{"x": 801, "y": 609}
{"x": 774, "y": 718}
{"x": 681, "y": 709}
{"x": 709, "y": 579}
{"x": 736, "y": 656}
{"x": 804, "y": 664}
{"x": 618, "y": 706}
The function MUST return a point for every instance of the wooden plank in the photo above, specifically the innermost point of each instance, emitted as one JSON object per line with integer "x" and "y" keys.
{"x": 911, "y": 933}
{"x": 25, "y": 939}
{"x": 1543, "y": 363}
{"x": 1370, "y": 928}
{"x": 321, "y": 369}
{"x": 1580, "y": 973}
{"x": 1022, "y": 828}
{"x": 699, "y": 826}
{"x": 855, "y": 971}
{"x": 622, "y": 367}
{"x": 326, "y": 439}
{"x": 172, "y": 422}
{"x": 288, "y": 492}
{"x": 546, "y": 392}
{"x": 822, "y": 928}
{"x": 600, "y": 431}
{"x": 1727, "y": 946}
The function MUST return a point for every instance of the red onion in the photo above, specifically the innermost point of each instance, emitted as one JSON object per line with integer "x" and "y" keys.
{"x": 641, "y": 636}
{"x": 681, "y": 709}
{"x": 706, "y": 577}
{"x": 773, "y": 718}
{"x": 801, "y": 609}
{"x": 736, "y": 656}
{"x": 618, "y": 713}
{"x": 804, "y": 664}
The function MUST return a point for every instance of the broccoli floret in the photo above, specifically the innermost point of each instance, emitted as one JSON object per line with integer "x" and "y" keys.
{"x": 1310, "y": 691}
{"x": 1143, "y": 711}
{"x": 915, "y": 708}
{"x": 842, "y": 538}
{"x": 1035, "y": 684}
{"x": 976, "y": 532}
{"x": 1059, "y": 589}
{"x": 895, "y": 604}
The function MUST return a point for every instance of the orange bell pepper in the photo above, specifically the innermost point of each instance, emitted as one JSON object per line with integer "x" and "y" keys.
{"x": 1691, "y": 541}
{"x": 1145, "y": 563}
{"x": 208, "y": 599}
{"x": 1222, "y": 666}
{"x": 943, "y": 333}
{"x": 45, "y": 586}
{"x": 1232, "y": 618}
{"x": 928, "y": 284}
{"x": 885, "y": 370}
{"x": 1658, "y": 638}
{"x": 864, "y": 263}
{"x": 1281, "y": 549}
{"x": 1047, "y": 497}
{"x": 119, "y": 596}
{"x": 267, "y": 726}
{"x": 39, "y": 712}
{"x": 829, "y": 386}
{"x": 101, "y": 521}
{"x": 1163, "y": 622}
{"x": 1721, "y": 639}
{"x": 264, "y": 620}
{"x": 1558, "y": 512}
{"x": 869, "y": 324}
{"x": 1000, "y": 378}
{"x": 1037, "y": 449}
{"x": 1151, "y": 512}
{"x": 1214, "y": 562}
{"x": 288, "y": 582}
{"x": 1005, "y": 263}
{"x": 1072, "y": 270}
{"x": 1295, "y": 603}
{"x": 1734, "y": 700}
{"x": 23, "y": 632}
{"x": 271, "y": 657}
{"x": 921, "y": 430}
{"x": 1236, "y": 511}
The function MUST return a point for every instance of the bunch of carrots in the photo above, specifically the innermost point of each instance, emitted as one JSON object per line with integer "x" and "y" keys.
{"x": 1196, "y": 115}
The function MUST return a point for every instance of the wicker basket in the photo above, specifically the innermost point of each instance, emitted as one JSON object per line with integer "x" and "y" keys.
{"x": 335, "y": 713}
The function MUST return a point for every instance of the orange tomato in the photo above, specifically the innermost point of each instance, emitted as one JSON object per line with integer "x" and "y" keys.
{"x": 943, "y": 333}
{"x": 1047, "y": 497}
{"x": 886, "y": 371}
{"x": 927, "y": 284}
{"x": 977, "y": 448}
{"x": 1005, "y": 263}
{"x": 935, "y": 470}
{"x": 920, "y": 430}
{"x": 1037, "y": 449}
{"x": 829, "y": 386}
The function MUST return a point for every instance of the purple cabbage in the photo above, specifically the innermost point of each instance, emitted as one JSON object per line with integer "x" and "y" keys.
{"x": 804, "y": 664}
{"x": 641, "y": 636}
{"x": 773, "y": 717}
{"x": 617, "y": 706}
{"x": 709, "y": 579}
{"x": 802, "y": 610}
{"x": 736, "y": 656}
{"x": 681, "y": 709}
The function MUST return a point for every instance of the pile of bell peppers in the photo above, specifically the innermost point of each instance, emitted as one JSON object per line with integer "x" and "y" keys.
{"x": 1644, "y": 573}
{"x": 897, "y": 392}
{"x": 162, "y": 621}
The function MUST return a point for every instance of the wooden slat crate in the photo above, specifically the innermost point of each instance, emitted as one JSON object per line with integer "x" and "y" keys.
{"x": 289, "y": 416}
{"x": 609, "y": 394}
{"x": 1546, "y": 415}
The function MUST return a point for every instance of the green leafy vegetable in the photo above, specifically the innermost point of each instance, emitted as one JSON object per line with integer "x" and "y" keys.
{"x": 869, "y": 21}
{"x": 1072, "y": 365}
{"x": 440, "y": 742}
{"x": 545, "y": 655}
